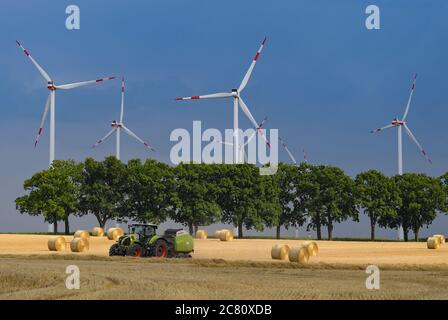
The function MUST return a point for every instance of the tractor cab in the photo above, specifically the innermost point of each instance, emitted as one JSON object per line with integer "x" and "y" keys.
{"x": 143, "y": 231}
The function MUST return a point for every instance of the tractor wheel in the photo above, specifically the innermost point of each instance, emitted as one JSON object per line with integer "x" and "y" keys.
{"x": 135, "y": 250}
{"x": 160, "y": 249}
{"x": 115, "y": 250}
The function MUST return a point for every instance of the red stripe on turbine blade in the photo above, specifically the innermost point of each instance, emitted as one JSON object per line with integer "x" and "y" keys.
{"x": 26, "y": 52}
{"x": 179, "y": 99}
{"x": 99, "y": 80}
{"x": 18, "y": 43}
{"x": 111, "y": 78}
{"x": 264, "y": 40}
{"x": 40, "y": 131}
{"x": 195, "y": 97}
{"x": 256, "y": 56}
{"x": 413, "y": 86}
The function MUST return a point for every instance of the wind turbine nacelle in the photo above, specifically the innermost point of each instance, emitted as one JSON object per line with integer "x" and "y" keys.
{"x": 235, "y": 92}
{"x": 397, "y": 122}
{"x": 115, "y": 125}
{"x": 50, "y": 86}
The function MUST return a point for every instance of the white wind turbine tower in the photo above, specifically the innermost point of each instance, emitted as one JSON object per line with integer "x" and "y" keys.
{"x": 51, "y": 103}
{"x": 237, "y": 100}
{"x": 399, "y": 124}
{"x": 117, "y": 126}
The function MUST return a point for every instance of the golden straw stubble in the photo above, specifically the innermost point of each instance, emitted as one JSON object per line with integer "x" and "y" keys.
{"x": 312, "y": 248}
{"x": 98, "y": 232}
{"x": 299, "y": 254}
{"x": 79, "y": 245}
{"x": 280, "y": 252}
{"x": 56, "y": 244}
{"x": 433, "y": 243}
{"x": 201, "y": 234}
{"x": 82, "y": 234}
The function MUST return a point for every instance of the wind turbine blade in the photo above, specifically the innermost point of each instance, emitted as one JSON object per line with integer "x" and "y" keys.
{"x": 287, "y": 150}
{"x": 410, "y": 98}
{"x": 81, "y": 84}
{"x": 224, "y": 142}
{"x": 208, "y": 96}
{"x": 411, "y": 135}
{"x": 104, "y": 138}
{"x": 42, "y": 121}
{"x": 122, "y": 100}
{"x": 253, "y": 134}
{"x": 251, "y": 67}
{"x": 247, "y": 113}
{"x": 132, "y": 134}
{"x": 383, "y": 128}
{"x": 41, "y": 70}
{"x": 251, "y": 118}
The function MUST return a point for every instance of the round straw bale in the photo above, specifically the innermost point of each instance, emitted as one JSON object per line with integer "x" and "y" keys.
{"x": 280, "y": 252}
{"x": 56, "y": 244}
{"x": 79, "y": 245}
{"x": 201, "y": 234}
{"x": 217, "y": 232}
{"x": 226, "y": 235}
{"x": 98, "y": 232}
{"x": 433, "y": 243}
{"x": 82, "y": 234}
{"x": 441, "y": 237}
{"x": 312, "y": 248}
{"x": 299, "y": 254}
{"x": 114, "y": 233}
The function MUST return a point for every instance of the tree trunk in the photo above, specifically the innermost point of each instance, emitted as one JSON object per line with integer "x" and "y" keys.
{"x": 67, "y": 226}
{"x": 318, "y": 230}
{"x": 55, "y": 225}
{"x": 416, "y": 234}
{"x": 405, "y": 234}
{"x": 330, "y": 230}
{"x": 190, "y": 228}
{"x": 372, "y": 229}
{"x": 196, "y": 229}
{"x": 278, "y": 232}
{"x": 240, "y": 229}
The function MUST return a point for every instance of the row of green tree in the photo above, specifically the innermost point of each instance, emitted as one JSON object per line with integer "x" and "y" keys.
{"x": 315, "y": 196}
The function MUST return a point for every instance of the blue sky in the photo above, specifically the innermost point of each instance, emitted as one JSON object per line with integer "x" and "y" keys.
{"x": 323, "y": 80}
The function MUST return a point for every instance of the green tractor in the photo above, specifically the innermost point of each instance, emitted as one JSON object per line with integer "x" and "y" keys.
{"x": 142, "y": 241}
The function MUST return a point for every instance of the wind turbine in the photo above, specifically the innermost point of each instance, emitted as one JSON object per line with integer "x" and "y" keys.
{"x": 399, "y": 124}
{"x": 117, "y": 126}
{"x": 242, "y": 153}
{"x": 51, "y": 104}
{"x": 237, "y": 100}
{"x": 287, "y": 150}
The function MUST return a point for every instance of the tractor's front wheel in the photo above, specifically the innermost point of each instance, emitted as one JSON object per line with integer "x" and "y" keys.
{"x": 134, "y": 250}
{"x": 115, "y": 250}
{"x": 160, "y": 249}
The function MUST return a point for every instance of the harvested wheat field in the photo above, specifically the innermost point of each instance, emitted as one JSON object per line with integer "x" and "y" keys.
{"x": 330, "y": 252}
{"x": 238, "y": 269}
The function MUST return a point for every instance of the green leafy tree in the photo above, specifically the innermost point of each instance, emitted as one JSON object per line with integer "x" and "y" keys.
{"x": 421, "y": 198}
{"x": 378, "y": 196}
{"x": 334, "y": 199}
{"x": 239, "y": 189}
{"x": 194, "y": 201}
{"x": 103, "y": 191}
{"x": 53, "y": 193}
{"x": 148, "y": 188}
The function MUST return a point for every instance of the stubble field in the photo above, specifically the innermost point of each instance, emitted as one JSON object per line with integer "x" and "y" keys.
{"x": 241, "y": 269}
